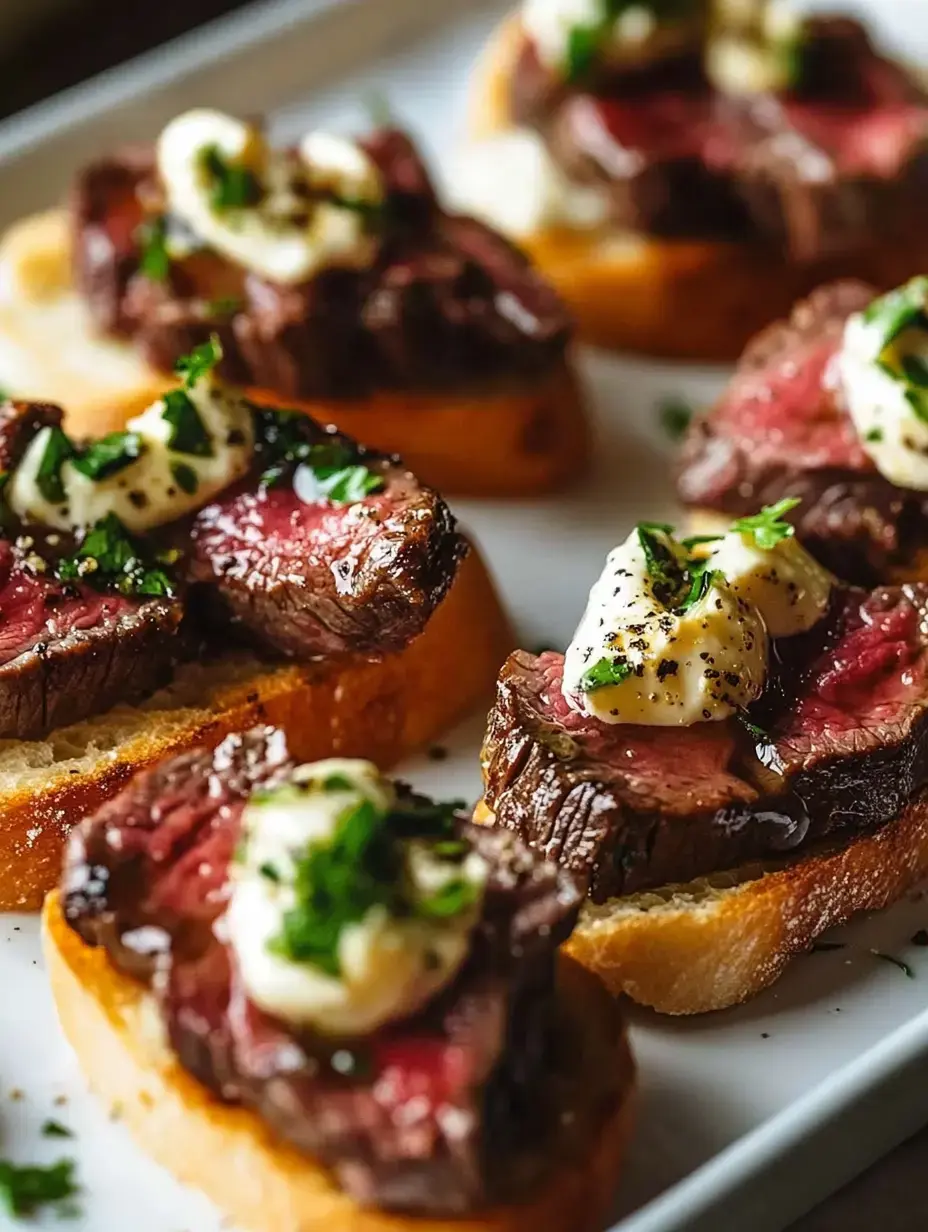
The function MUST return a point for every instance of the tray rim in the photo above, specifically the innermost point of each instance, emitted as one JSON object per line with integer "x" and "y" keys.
{"x": 697, "y": 1203}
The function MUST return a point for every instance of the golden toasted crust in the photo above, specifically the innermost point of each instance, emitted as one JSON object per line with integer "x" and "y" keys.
{"x": 683, "y": 299}
{"x": 716, "y": 942}
{"x": 258, "y": 1181}
{"x": 376, "y": 710}
{"x": 526, "y": 437}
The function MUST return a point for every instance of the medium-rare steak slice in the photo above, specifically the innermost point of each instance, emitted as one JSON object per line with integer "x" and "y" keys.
{"x": 68, "y": 651}
{"x": 459, "y": 1106}
{"x": 843, "y": 746}
{"x": 311, "y": 569}
{"x": 781, "y": 429}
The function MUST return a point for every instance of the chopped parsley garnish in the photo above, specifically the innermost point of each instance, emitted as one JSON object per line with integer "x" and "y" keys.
{"x": 154, "y": 259}
{"x": 603, "y": 673}
{"x": 768, "y": 527}
{"x": 109, "y": 454}
{"x": 270, "y": 872}
{"x": 757, "y": 733}
{"x": 873, "y": 436}
{"x": 898, "y": 310}
{"x": 201, "y": 361}
{"x": 665, "y": 568}
{"x": 232, "y": 186}
{"x": 188, "y": 432}
{"x": 702, "y": 580}
{"x": 362, "y": 866}
{"x": 58, "y": 448}
{"x": 54, "y": 1129}
{"x": 109, "y": 557}
{"x": 283, "y": 443}
{"x": 372, "y": 212}
{"x": 185, "y": 477}
{"x": 337, "y": 782}
{"x": 583, "y": 43}
{"x": 915, "y": 368}
{"x": 695, "y": 541}
{"x": 24, "y": 1189}
{"x": 675, "y": 417}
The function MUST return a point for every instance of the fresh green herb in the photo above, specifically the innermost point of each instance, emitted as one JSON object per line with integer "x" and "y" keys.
{"x": 200, "y": 362}
{"x": 583, "y": 44}
{"x": 270, "y": 872}
{"x": 337, "y": 782}
{"x": 372, "y": 212}
{"x": 757, "y": 733}
{"x": 898, "y": 310}
{"x": 108, "y": 455}
{"x": 54, "y": 1129}
{"x": 675, "y": 417}
{"x": 347, "y": 484}
{"x": 185, "y": 477}
{"x": 108, "y": 556}
{"x": 768, "y": 527}
{"x": 896, "y": 962}
{"x": 5, "y": 395}
{"x": 188, "y": 432}
{"x": 24, "y": 1189}
{"x": 603, "y": 673}
{"x": 154, "y": 259}
{"x": 665, "y": 569}
{"x": 874, "y": 435}
{"x": 232, "y": 186}
{"x": 702, "y": 580}
{"x": 915, "y": 368}
{"x": 453, "y": 898}
{"x": 225, "y": 306}
{"x": 283, "y": 443}
{"x": 58, "y": 448}
{"x": 695, "y": 541}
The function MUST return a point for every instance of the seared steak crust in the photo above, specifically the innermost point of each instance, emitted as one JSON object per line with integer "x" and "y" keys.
{"x": 468, "y": 1103}
{"x": 845, "y": 747}
{"x": 781, "y": 429}
{"x": 446, "y": 303}
{"x": 817, "y": 172}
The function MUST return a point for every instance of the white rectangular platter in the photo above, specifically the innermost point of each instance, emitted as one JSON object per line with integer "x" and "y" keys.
{"x": 746, "y": 1118}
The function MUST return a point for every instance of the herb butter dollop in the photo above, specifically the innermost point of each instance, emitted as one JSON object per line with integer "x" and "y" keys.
{"x": 677, "y": 631}
{"x": 882, "y": 370}
{"x": 350, "y": 905}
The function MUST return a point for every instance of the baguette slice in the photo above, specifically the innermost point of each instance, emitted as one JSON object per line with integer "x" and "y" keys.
{"x": 260, "y": 1182}
{"x": 683, "y": 299}
{"x": 714, "y": 942}
{"x": 528, "y": 438}
{"x": 377, "y": 710}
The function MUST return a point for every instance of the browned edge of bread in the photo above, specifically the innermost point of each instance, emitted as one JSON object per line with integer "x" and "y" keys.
{"x": 679, "y": 299}
{"x": 381, "y": 711}
{"x": 260, "y": 1182}
{"x": 715, "y": 942}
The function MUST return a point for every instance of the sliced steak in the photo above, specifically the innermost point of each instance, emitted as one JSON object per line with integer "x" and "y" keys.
{"x": 630, "y": 808}
{"x": 446, "y": 302}
{"x": 781, "y": 429}
{"x": 309, "y": 577}
{"x": 68, "y": 651}
{"x": 468, "y": 1103}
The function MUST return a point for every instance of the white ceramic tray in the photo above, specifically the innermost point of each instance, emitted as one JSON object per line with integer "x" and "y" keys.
{"x": 746, "y": 1118}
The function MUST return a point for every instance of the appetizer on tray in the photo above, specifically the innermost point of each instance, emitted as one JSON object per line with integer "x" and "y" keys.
{"x": 830, "y": 406}
{"x": 684, "y": 171}
{"x": 348, "y": 990}
{"x": 730, "y": 756}
{"x": 212, "y": 565}
{"x": 336, "y": 282}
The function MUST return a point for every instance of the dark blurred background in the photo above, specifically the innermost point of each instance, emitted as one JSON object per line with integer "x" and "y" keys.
{"x": 47, "y": 45}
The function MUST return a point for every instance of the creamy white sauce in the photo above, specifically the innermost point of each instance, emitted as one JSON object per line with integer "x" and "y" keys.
{"x": 147, "y": 492}
{"x": 512, "y": 183}
{"x": 389, "y": 967}
{"x": 705, "y": 664}
{"x": 880, "y": 399}
{"x": 283, "y": 236}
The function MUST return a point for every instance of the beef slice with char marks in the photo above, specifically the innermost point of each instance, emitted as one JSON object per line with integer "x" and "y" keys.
{"x": 631, "y": 808}
{"x": 455, "y": 1108}
{"x": 309, "y": 577}
{"x": 781, "y": 429}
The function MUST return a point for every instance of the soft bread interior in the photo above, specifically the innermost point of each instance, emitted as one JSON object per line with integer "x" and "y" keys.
{"x": 229, "y": 1153}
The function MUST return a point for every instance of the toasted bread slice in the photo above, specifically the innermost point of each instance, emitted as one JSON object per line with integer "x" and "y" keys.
{"x": 518, "y": 440}
{"x": 714, "y": 942}
{"x": 684, "y": 299}
{"x": 109, "y": 1021}
{"x": 379, "y": 710}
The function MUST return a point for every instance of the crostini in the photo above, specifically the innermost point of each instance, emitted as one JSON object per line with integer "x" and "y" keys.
{"x": 213, "y": 565}
{"x": 683, "y": 173}
{"x": 730, "y": 756}
{"x": 830, "y": 406}
{"x": 348, "y": 989}
{"x": 336, "y": 282}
